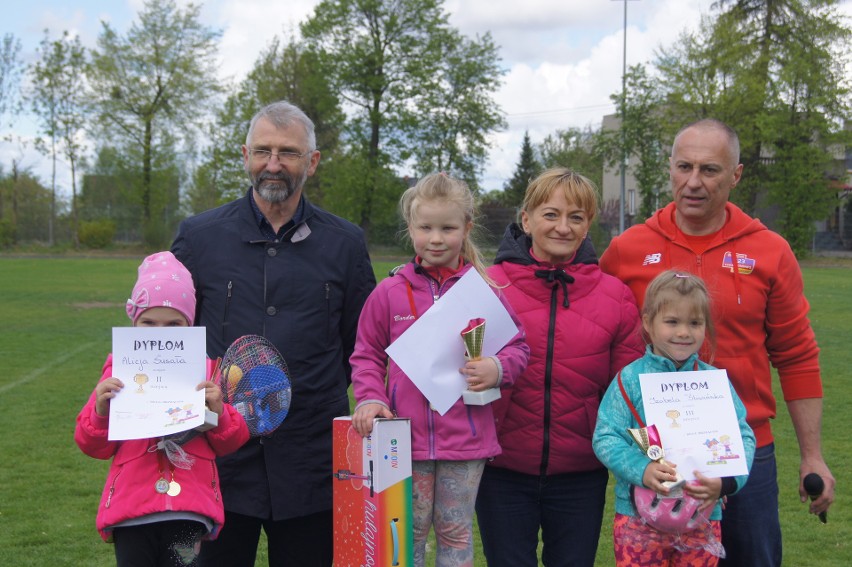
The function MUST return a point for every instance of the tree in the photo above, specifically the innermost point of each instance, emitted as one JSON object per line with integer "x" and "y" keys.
{"x": 773, "y": 69}
{"x": 281, "y": 72}
{"x": 639, "y": 137}
{"x": 454, "y": 138}
{"x": 11, "y": 69}
{"x": 386, "y": 59}
{"x": 525, "y": 171}
{"x": 574, "y": 148}
{"x": 58, "y": 99}
{"x": 154, "y": 84}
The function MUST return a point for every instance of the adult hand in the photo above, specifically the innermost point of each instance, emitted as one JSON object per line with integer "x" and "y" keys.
{"x": 104, "y": 392}
{"x": 806, "y": 415}
{"x": 823, "y": 502}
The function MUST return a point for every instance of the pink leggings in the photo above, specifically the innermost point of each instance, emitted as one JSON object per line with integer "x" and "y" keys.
{"x": 639, "y": 545}
{"x": 444, "y": 495}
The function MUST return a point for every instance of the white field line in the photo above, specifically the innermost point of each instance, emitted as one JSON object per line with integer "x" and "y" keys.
{"x": 39, "y": 371}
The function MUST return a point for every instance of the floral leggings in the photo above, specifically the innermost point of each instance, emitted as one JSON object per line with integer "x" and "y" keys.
{"x": 444, "y": 496}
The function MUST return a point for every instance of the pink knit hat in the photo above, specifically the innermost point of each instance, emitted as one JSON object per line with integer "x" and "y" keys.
{"x": 163, "y": 282}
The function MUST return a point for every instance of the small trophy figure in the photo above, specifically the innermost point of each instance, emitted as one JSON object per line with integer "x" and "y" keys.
{"x": 473, "y": 336}
{"x": 140, "y": 379}
{"x": 673, "y": 414}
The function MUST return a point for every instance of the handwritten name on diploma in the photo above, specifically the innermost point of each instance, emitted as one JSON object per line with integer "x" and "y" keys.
{"x": 141, "y": 363}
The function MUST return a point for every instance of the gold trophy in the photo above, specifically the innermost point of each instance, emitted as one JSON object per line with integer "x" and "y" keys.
{"x": 473, "y": 336}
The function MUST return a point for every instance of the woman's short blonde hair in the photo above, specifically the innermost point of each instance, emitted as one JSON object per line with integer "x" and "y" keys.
{"x": 577, "y": 189}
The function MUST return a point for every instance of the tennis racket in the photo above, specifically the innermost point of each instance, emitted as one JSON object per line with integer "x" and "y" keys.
{"x": 255, "y": 380}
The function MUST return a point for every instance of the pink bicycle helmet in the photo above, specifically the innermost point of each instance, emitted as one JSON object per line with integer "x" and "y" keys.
{"x": 670, "y": 514}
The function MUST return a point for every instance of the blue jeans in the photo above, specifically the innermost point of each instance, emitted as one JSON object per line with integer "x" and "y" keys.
{"x": 511, "y": 507}
{"x": 751, "y": 530}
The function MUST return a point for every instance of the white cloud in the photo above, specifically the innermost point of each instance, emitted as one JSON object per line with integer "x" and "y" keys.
{"x": 563, "y": 58}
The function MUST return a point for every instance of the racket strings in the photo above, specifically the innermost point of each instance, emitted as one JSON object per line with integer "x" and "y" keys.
{"x": 255, "y": 380}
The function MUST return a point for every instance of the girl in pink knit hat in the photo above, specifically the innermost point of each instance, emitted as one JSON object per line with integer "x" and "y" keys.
{"x": 150, "y": 520}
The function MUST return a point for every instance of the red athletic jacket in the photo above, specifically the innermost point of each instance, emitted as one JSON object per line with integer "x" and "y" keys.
{"x": 759, "y": 309}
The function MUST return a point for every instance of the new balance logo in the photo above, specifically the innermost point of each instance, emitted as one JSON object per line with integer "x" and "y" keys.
{"x": 653, "y": 259}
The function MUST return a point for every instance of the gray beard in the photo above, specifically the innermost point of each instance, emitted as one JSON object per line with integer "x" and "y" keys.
{"x": 278, "y": 188}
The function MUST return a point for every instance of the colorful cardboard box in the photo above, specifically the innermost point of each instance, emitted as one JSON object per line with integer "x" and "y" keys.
{"x": 372, "y": 495}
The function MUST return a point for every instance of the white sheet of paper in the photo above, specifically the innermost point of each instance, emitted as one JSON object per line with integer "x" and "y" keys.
{"x": 694, "y": 414}
{"x": 160, "y": 368}
{"x": 431, "y": 351}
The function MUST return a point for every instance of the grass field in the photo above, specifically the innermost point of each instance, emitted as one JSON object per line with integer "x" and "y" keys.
{"x": 57, "y": 316}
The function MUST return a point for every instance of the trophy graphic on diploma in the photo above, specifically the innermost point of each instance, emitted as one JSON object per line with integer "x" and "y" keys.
{"x": 473, "y": 336}
{"x": 140, "y": 379}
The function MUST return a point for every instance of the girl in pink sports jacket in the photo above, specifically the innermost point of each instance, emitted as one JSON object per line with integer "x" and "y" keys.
{"x": 448, "y": 451}
{"x": 158, "y": 508}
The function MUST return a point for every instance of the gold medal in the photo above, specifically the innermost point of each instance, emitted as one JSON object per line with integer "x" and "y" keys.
{"x": 161, "y": 486}
{"x": 174, "y": 488}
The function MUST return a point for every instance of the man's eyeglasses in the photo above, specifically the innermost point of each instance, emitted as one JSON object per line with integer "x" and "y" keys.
{"x": 263, "y": 156}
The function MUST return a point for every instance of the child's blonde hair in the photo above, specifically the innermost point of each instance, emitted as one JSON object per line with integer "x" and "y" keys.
{"x": 441, "y": 187}
{"x": 672, "y": 285}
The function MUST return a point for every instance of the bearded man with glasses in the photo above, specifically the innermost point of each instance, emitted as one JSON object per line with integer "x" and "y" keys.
{"x": 273, "y": 264}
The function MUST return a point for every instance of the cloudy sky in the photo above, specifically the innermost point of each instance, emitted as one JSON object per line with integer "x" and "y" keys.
{"x": 563, "y": 58}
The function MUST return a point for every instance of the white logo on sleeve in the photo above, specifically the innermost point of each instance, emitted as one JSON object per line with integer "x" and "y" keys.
{"x": 653, "y": 259}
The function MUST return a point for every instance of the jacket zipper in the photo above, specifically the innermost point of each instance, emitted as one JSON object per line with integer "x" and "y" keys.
{"x": 548, "y": 378}
{"x": 225, "y": 321}
{"x": 435, "y": 290}
{"x": 213, "y": 480}
{"x": 327, "y": 311}
{"x": 112, "y": 488}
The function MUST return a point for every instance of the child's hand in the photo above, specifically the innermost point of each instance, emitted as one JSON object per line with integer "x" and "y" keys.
{"x": 658, "y": 472}
{"x": 104, "y": 392}
{"x": 212, "y": 396}
{"x": 362, "y": 419}
{"x": 704, "y": 488}
{"x": 480, "y": 374}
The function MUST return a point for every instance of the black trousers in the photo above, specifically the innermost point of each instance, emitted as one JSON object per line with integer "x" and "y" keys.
{"x": 306, "y": 541}
{"x": 173, "y": 543}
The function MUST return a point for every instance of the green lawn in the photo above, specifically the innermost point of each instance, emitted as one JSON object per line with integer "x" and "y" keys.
{"x": 56, "y": 317}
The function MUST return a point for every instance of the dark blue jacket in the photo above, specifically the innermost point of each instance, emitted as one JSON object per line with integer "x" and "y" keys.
{"x": 304, "y": 293}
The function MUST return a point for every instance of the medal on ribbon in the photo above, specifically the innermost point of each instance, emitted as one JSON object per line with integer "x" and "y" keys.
{"x": 648, "y": 439}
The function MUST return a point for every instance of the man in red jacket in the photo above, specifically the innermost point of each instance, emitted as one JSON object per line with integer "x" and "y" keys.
{"x": 760, "y": 313}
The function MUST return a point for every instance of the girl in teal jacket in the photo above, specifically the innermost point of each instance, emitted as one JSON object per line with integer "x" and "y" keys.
{"x": 675, "y": 321}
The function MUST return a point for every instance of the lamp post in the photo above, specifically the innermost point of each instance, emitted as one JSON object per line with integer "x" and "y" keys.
{"x": 623, "y": 198}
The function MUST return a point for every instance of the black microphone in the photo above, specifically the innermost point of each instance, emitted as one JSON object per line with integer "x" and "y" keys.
{"x": 814, "y": 486}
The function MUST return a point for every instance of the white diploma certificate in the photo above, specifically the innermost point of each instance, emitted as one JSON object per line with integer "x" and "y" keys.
{"x": 695, "y": 416}
{"x": 431, "y": 351}
{"x": 160, "y": 368}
